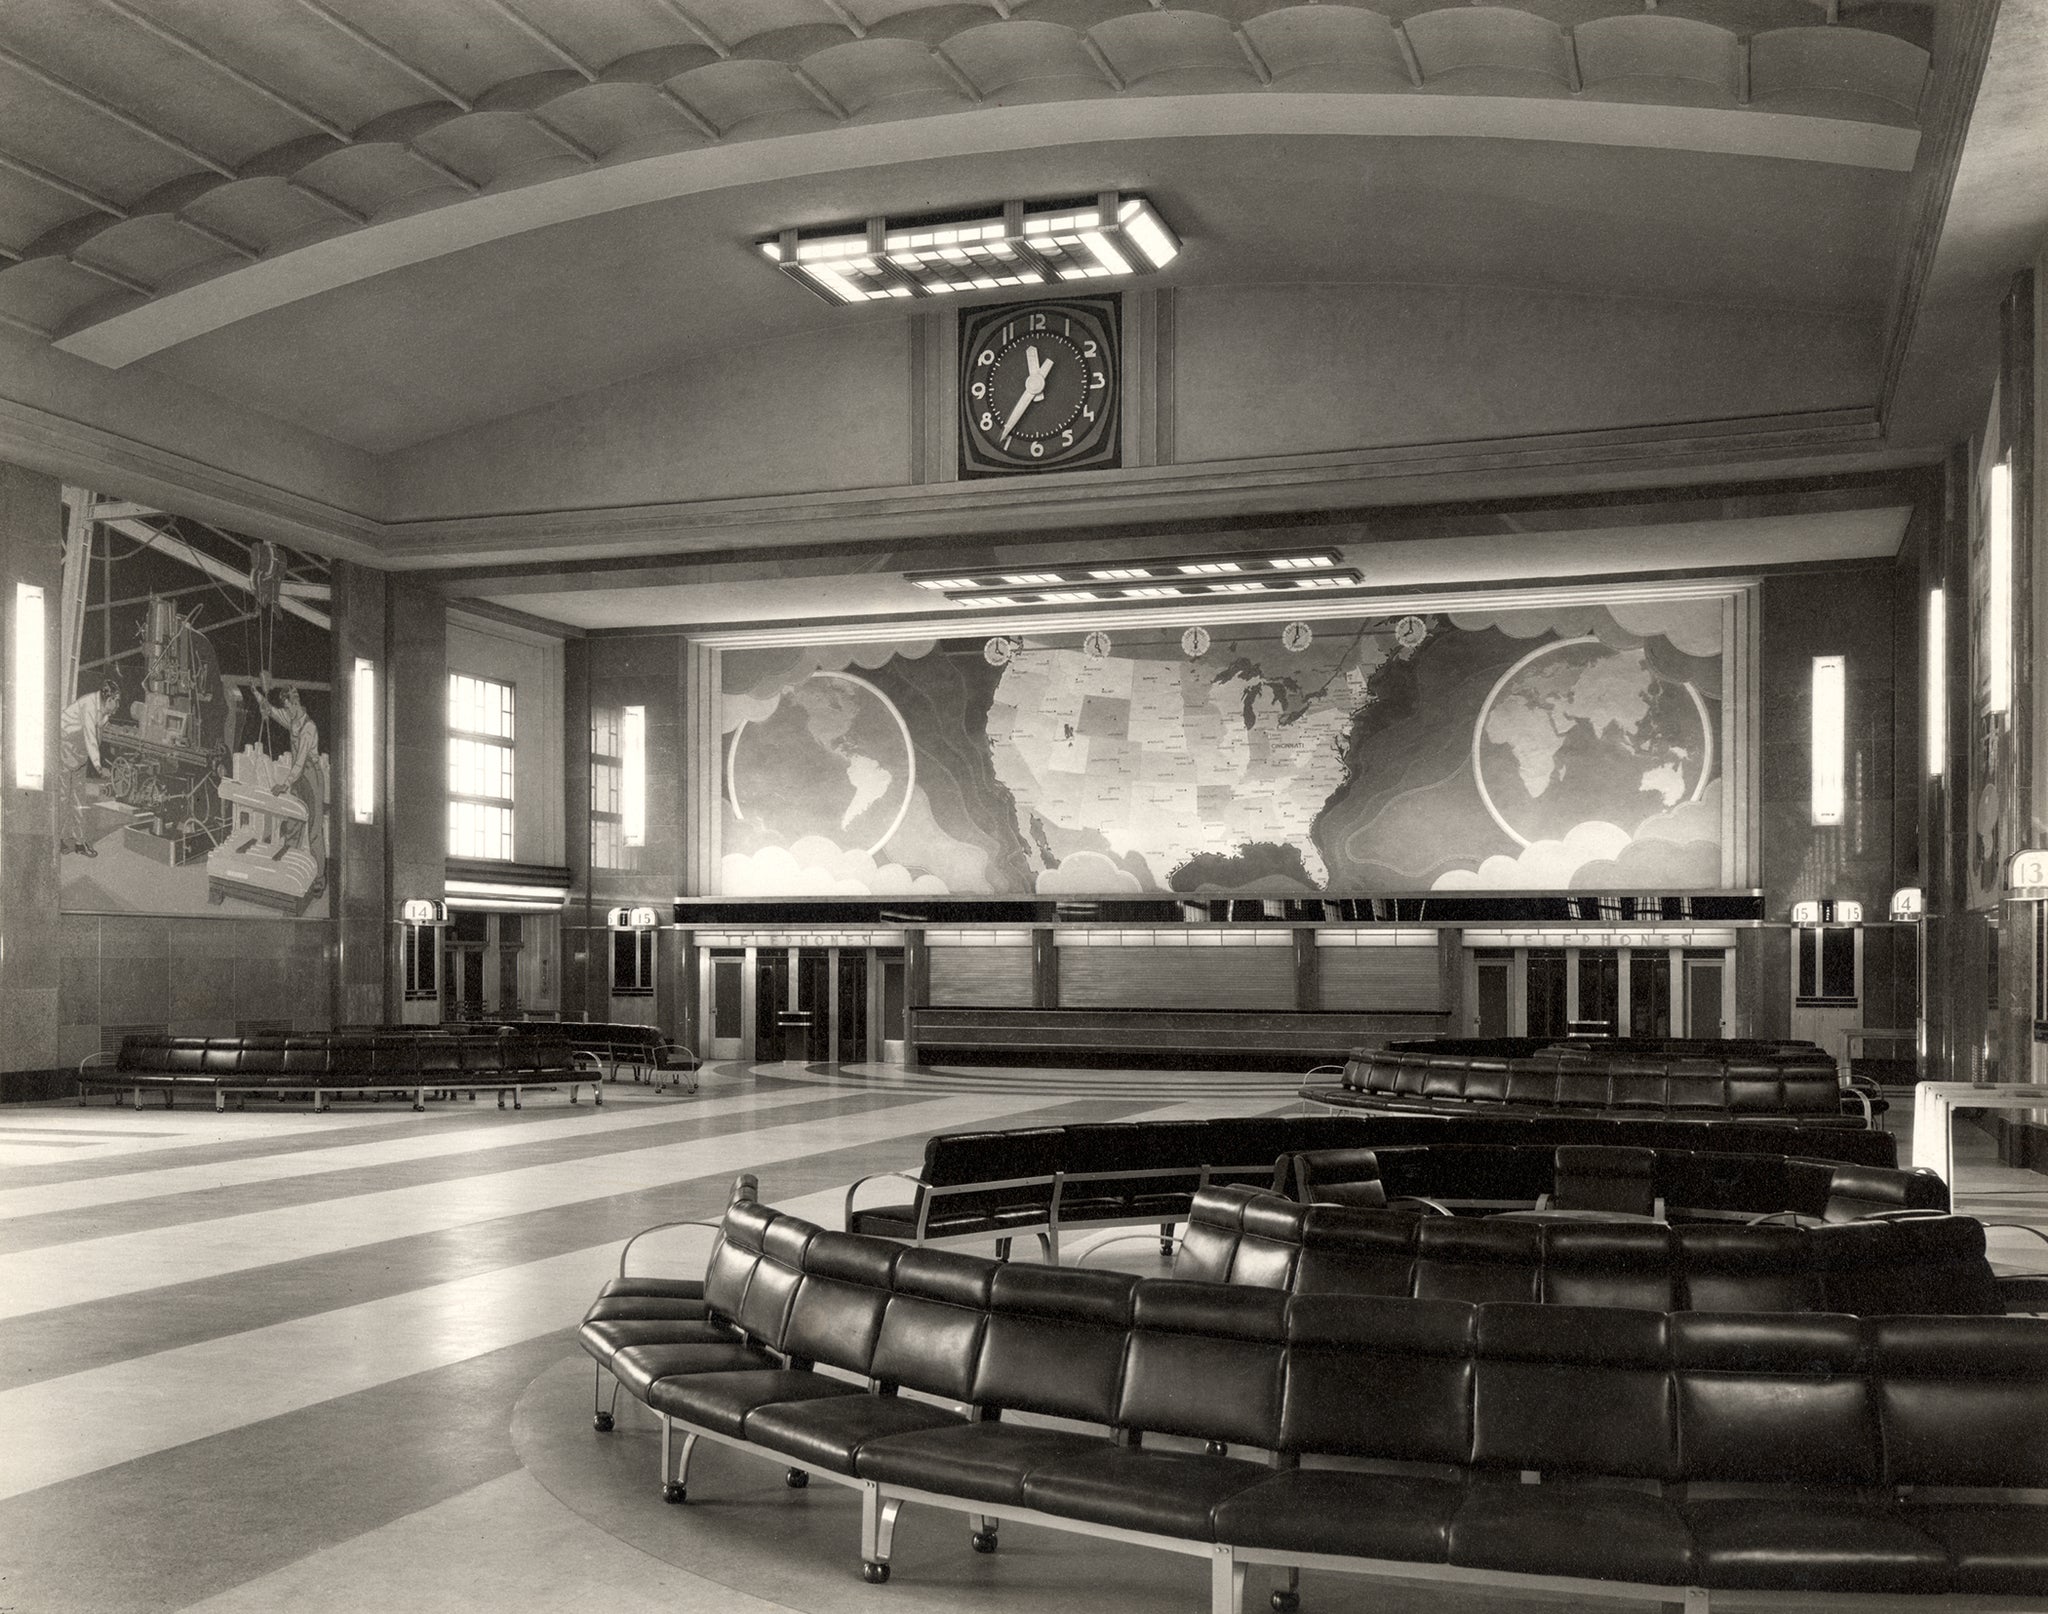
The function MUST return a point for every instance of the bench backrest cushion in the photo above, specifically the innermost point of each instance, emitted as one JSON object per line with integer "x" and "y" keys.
{"x": 1574, "y": 1390}
{"x": 836, "y": 1315}
{"x": 1724, "y": 1266}
{"x": 1356, "y": 1250}
{"x": 1379, "y": 1378}
{"x": 1458, "y": 1258}
{"x": 1962, "y": 1401}
{"x": 1205, "y": 1360}
{"x": 932, "y": 1327}
{"x": 1775, "y": 1399}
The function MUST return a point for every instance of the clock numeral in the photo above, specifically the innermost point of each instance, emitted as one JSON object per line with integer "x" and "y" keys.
{"x": 1088, "y": 350}
{"x": 1066, "y": 439}
{"x": 984, "y": 358}
{"x": 1088, "y": 414}
{"x": 1038, "y": 451}
{"x": 988, "y": 421}
{"x": 1096, "y": 379}
{"x": 1008, "y": 329}
{"x": 978, "y": 390}
{"x": 1038, "y": 322}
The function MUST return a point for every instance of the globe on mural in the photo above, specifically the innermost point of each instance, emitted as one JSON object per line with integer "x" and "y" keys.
{"x": 832, "y": 759}
{"x": 1577, "y": 731}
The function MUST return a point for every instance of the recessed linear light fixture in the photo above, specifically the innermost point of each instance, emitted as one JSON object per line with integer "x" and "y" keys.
{"x": 1087, "y": 582}
{"x": 989, "y": 249}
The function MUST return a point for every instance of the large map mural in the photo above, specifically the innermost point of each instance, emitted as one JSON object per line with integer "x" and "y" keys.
{"x": 1526, "y": 748}
{"x": 197, "y": 695}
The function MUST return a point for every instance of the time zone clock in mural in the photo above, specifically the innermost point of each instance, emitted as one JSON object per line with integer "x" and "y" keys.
{"x": 1040, "y": 387}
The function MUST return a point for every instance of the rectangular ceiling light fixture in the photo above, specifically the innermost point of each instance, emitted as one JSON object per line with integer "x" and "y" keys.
{"x": 1935, "y": 730}
{"x": 995, "y": 248}
{"x": 1181, "y": 577}
{"x": 31, "y": 721}
{"x": 1998, "y": 593}
{"x": 1830, "y": 713}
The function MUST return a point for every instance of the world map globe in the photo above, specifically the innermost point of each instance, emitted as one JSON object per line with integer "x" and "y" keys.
{"x": 1577, "y": 732}
{"x": 833, "y": 759}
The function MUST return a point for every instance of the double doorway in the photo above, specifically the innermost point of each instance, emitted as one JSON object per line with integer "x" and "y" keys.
{"x": 817, "y": 1005}
{"x": 1653, "y": 992}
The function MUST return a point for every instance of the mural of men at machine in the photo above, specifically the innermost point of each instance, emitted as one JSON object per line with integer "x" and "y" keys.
{"x": 198, "y": 664}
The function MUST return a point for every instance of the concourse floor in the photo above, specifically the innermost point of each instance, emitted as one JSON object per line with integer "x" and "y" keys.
{"x": 277, "y": 1361}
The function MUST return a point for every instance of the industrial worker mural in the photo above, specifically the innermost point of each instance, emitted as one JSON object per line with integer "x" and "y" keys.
{"x": 194, "y": 736}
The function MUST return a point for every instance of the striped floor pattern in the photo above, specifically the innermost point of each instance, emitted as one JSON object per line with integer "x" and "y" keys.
{"x": 272, "y": 1360}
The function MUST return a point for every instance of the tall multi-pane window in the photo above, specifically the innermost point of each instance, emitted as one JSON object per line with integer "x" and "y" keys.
{"x": 479, "y": 767}
{"x": 607, "y": 790}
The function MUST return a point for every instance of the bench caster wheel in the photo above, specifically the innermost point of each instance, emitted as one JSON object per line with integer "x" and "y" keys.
{"x": 1286, "y": 1602}
{"x": 602, "y": 1422}
{"x": 983, "y": 1541}
{"x": 796, "y": 1479}
{"x": 874, "y": 1574}
{"x": 673, "y": 1492}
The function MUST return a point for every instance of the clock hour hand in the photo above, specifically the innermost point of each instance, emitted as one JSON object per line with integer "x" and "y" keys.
{"x": 1034, "y": 389}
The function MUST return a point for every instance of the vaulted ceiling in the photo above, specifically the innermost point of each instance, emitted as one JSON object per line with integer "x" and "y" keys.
{"x": 346, "y": 231}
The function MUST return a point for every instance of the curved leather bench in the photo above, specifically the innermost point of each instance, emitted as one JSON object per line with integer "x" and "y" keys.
{"x": 617, "y": 1043}
{"x": 1688, "y": 1183}
{"x": 1675, "y": 1456}
{"x": 1931, "y": 1263}
{"x": 326, "y": 1063}
{"x": 1038, "y": 1181}
{"x": 1745, "y": 1080}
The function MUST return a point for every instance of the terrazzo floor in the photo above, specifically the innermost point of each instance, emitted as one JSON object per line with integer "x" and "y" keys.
{"x": 271, "y": 1360}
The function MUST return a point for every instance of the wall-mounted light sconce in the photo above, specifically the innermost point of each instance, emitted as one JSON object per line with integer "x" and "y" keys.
{"x": 1998, "y": 593}
{"x": 362, "y": 742}
{"x": 31, "y": 721}
{"x": 2026, "y": 876}
{"x": 1934, "y": 731}
{"x": 1830, "y": 744}
{"x": 633, "y": 774}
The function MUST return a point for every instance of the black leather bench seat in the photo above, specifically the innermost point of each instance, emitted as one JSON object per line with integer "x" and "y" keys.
{"x": 722, "y": 1401}
{"x": 1779, "y": 1454}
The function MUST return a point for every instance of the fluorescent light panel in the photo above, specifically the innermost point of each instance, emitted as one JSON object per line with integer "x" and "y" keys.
{"x": 1830, "y": 703}
{"x": 362, "y": 742}
{"x": 1998, "y": 601}
{"x": 633, "y": 774}
{"x": 1935, "y": 730}
{"x": 992, "y": 249}
{"x": 31, "y": 717}
{"x": 1301, "y": 568}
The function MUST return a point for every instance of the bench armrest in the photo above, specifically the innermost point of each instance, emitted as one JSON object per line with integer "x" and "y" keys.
{"x": 93, "y": 1061}
{"x": 859, "y": 1183}
{"x": 688, "y": 1221}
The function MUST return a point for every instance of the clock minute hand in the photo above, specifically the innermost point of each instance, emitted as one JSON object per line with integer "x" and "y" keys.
{"x": 1033, "y": 386}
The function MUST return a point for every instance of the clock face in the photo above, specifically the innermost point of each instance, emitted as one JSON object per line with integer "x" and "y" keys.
{"x": 1040, "y": 387}
{"x": 1195, "y": 642}
{"x": 1297, "y": 636}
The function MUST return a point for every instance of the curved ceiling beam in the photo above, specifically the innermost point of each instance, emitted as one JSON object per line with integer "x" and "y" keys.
{"x": 242, "y": 292}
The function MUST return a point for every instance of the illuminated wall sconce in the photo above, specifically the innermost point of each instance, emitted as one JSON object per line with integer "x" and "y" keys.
{"x": 1998, "y": 593}
{"x": 1826, "y": 911}
{"x": 31, "y": 721}
{"x": 1908, "y": 903}
{"x": 633, "y": 774}
{"x": 362, "y": 742}
{"x": 2026, "y": 876}
{"x": 1830, "y": 745}
{"x": 1934, "y": 732}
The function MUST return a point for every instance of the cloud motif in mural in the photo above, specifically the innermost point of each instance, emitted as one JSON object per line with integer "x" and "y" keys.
{"x": 1541, "y": 865}
{"x": 756, "y": 680}
{"x": 1087, "y": 874}
{"x": 814, "y": 866}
